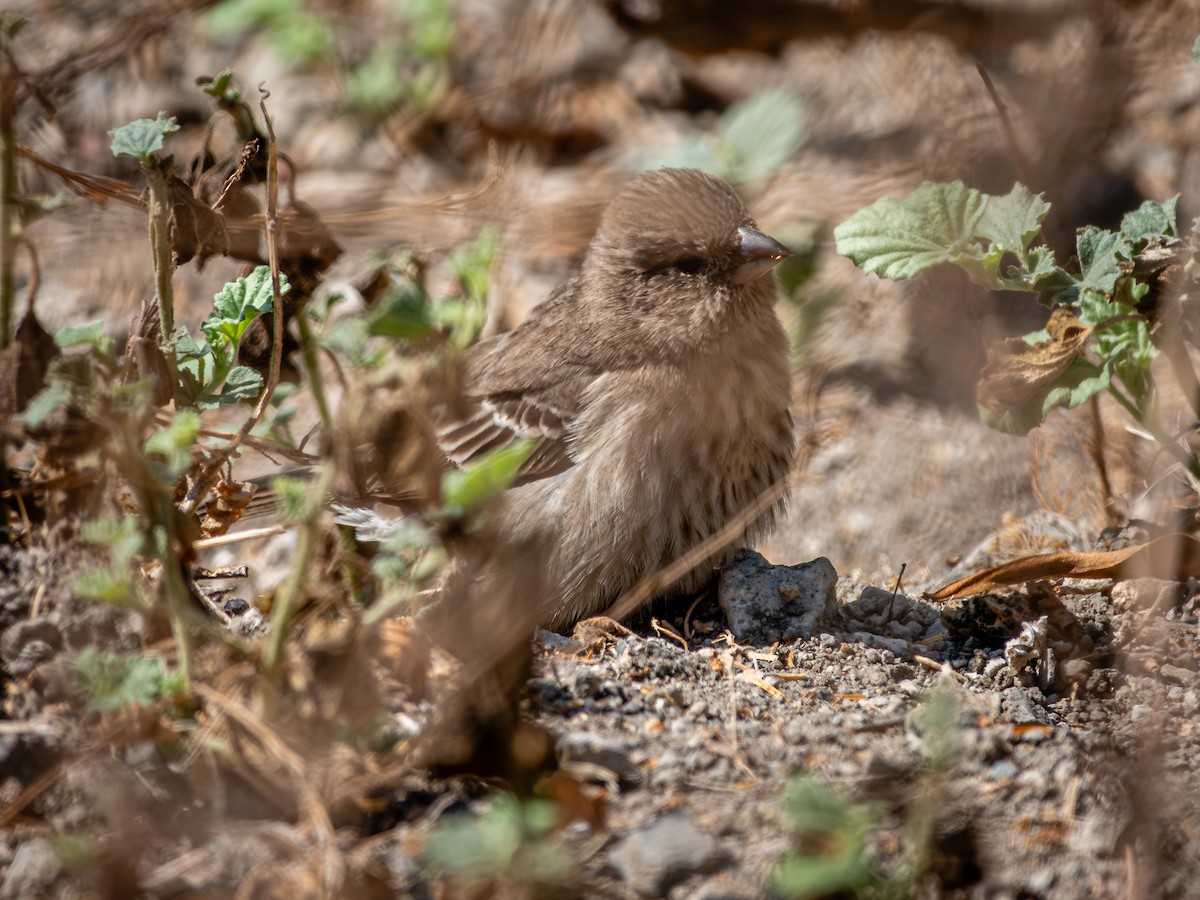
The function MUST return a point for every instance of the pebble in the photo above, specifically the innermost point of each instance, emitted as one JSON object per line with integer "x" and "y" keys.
{"x": 1002, "y": 770}
{"x": 598, "y": 750}
{"x": 656, "y": 857}
{"x": 765, "y": 603}
{"x": 34, "y": 868}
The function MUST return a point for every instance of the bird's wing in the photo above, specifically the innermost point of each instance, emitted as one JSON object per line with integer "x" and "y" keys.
{"x": 520, "y": 385}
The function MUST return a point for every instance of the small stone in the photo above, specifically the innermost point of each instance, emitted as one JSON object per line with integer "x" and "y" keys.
{"x": 656, "y": 857}
{"x": 34, "y": 868}
{"x": 1021, "y": 709}
{"x": 597, "y": 750}
{"x": 1141, "y": 711}
{"x": 766, "y": 603}
{"x": 993, "y": 666}
{"x": 27, "y": 644}
{"x": 1176, "y": 674}
{"x": 794, "y": 731}
{"x": 1002, "y": 770}
{"x": 1041, "y": 881}
{"x": 557, "y": 643}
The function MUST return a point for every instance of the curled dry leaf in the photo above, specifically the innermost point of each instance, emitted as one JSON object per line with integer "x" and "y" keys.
{"x": 1163, "y": 557}
{"x": 1018, "y": 373}
{"x": 229, "y": 501}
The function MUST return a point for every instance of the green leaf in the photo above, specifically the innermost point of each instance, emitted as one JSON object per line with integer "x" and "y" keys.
{"x": 123, "y": 537}
{"x": 173, "y": 445}
{"x": 106, "y": 586}
{"x": 1150, "y": 220}
{"x": 296, "y": 500}
{"x": 143, "y": 138}
{"x": 472, "y": 262}
{"x": 475, "y": 845}
{"x": 1082, "y": 381}
{"x": 1011, "y": 221}
{"x": 91, "y": 335}
{"x": 239, "y": 303}
{"x": 832, "y": 831}
{"x": 108, "y": 681}
{"x": 432, "y": 28}
{"x": 1101, "y": 255}
{"x": 763, "y": 132}
{"x": 940, "y": 223}
{"x": 899, "y": 239}
{"x": 692, "y": 151}
{"x": 243, "y": 383}
{"x": 470, "y": 487}
{"x": 1053, "y": 284}
{"x": 403, "y": 314}
{"x": 45, "y": 403}
{"x": 222, "y": 88}
{"x": 809, "y": 875}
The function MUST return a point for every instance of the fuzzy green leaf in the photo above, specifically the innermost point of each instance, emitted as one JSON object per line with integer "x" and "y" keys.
{"x": 173, "y": 445}
{"x": 472, "y": 486}
{"x": 91, "y": 335}
{"x": 143, "y": 138}
{"x": 763, "y": 132}
{"x": 403, "y": 314}
{"x": 239, "y": 303}
{"x": 1150, "y": 220}
{"x": 1010, "y": 222}
{"x": 899, "y": 239}
{"x": 45, "y": 403}
{"x": 1101, "y": 257}
{"x": 108, "y": 681}
{"x": 940, "y": 223}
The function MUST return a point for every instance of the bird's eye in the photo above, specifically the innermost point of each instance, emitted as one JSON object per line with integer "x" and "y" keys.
{"x": 689, "y": 265}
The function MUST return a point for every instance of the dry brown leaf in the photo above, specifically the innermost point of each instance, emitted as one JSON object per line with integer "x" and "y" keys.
{"x": 1017, "y": 372}
{"x": 576, "y": 802}
{"x": 1163, "y": 557}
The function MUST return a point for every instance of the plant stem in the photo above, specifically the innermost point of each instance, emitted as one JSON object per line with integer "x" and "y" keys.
{"x": 283, "y": 612}
{"x": 176, "y": 591}
{"x": 160, "y": 243}
{"x": 309, "y": 350}
{"x": 9, "y": 209}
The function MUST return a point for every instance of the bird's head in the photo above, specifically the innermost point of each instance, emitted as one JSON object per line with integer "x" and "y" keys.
{"x": 678, "y": 245}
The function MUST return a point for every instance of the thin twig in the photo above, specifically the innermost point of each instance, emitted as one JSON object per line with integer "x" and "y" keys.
{"x": 238, "y": 537}
{"x": 895, "y": 591}
{"x": 1010, "y": 133}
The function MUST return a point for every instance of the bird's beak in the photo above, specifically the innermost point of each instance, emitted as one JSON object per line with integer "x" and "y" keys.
{"x": 757, "y": 255}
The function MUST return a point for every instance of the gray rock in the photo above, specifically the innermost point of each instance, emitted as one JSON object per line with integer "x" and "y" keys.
{"x": 29, "y": 643}
{"x": 1176, "y": 675}
{"x": 34, "y": 868}
{"x": 654, "y": 858}
{"x": 1021, "y": 710}
{"x": 766, "y": 603}
{"x": 597, "y": 750}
